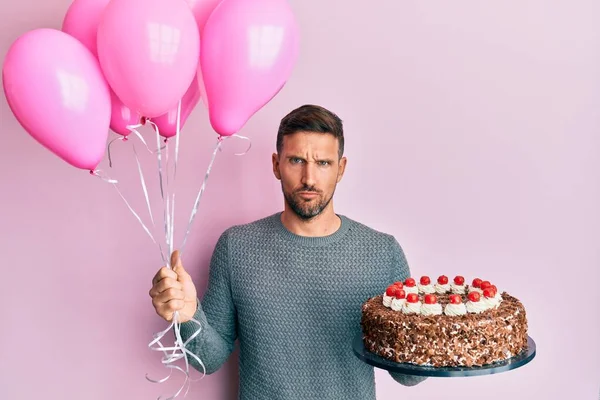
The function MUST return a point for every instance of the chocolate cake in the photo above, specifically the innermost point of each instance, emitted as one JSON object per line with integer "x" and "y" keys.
{"x": 434, "y": 327}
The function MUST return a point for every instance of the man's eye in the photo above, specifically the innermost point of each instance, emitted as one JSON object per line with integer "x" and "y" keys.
{"x": 323, "y": 163}
{"x": 296, "y": 160}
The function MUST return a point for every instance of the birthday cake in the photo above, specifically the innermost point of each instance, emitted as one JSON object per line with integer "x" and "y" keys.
{"x": 444, "y": 324}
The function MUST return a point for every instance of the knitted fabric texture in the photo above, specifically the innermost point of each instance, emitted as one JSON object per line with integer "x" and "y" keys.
{"x": 294, "y": 304}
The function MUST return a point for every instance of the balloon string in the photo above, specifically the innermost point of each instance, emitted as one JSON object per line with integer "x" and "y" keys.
{"x": 114, "y": 182}
{"x": 249, "y": 144}
{"x": 167, "y": 201}
{"x": 144, "y": 188}
{"x": 132, "y": 129}
{"x": 203, "y": 187}
{"x": 175, "y": 353}
{"x": 159, "y": 159}
{"x": 178, "y": 350}
{"x": 100, "y": 174}
{"x": 177, "y": 137}
{"x": 200, "y": 192}
{"x": 162, "y": 182}
{"x": 123, "y": 138}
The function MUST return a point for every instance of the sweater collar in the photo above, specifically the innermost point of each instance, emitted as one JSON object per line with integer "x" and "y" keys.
{"x": 311, "y": 241}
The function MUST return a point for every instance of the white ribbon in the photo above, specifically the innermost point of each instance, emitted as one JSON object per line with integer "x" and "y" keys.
{"x": 179, "y": 349}
{"x": 114, "y": 182}
{"x": 217, "y": 148}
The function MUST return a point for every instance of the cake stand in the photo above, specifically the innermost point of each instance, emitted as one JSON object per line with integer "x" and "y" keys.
{"x": 418, "y": 370}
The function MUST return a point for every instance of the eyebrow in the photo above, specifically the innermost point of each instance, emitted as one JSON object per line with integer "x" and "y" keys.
{"x": 329, "y": 160}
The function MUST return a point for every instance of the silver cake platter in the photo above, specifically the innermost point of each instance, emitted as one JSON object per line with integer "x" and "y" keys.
{"x": 412, "y": 369}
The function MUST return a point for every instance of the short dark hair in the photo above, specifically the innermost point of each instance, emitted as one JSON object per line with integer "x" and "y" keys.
{"x": 311, "y": 118}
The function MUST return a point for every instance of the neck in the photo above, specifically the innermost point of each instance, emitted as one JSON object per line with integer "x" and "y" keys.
{"x": 323, "y": 224}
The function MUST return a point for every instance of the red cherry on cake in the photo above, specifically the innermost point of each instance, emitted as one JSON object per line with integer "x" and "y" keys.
{"x": 484, "y": 285}
{"x": 412, "y": 298}
{"x": 488, "y": 292}
{"x": 390, "y": 290}
{"x": 495, "y": 288}
{"x": 399, "y": 293}
{"x": 476, "y": 282}
{"x": 425, "y": 280}
{"x": 474, "y": 296}
{"x": 455, "y": 299}
{"x": 459, "y": 280}
{"x": 443, "y": 280}
{"x": 398, "y": 284}
{"x": 430, "y": 299}
{"x": 410, "y": 282}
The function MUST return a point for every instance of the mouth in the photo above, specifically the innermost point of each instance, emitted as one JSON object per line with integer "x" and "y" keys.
{"x": 308, "y": 195}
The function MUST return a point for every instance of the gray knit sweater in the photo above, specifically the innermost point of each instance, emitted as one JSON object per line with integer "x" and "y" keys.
{"x": 294, "y": 304}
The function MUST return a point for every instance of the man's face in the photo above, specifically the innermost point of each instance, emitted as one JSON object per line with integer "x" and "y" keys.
{"x": 309, "y": 169}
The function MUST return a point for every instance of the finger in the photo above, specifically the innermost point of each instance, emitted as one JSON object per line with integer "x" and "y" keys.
{"x": 166, "y": 316}
{"x": 175, "y": 259}
{"x": 174, "y": 305}
{"x": 164, "y": 284}
{"x": 162, "y": 273}
{"x": 182, "y": 274}
{"x": 168, "y": 295}
{"x": 167, "y": 310}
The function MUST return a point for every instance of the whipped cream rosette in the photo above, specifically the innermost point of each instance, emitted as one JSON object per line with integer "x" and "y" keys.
{"x": 455, "y": 307}
{"x": 458, "y": 285}
{"x": 442, "y": 286}
{"x": 412, "y": 305}
{"x": 410, "y": 286}
{"x": 425, "y": 286}
{"x": 431, "y": 305}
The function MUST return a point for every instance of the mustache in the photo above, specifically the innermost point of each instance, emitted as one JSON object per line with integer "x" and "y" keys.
{"x": 306, "y": 188}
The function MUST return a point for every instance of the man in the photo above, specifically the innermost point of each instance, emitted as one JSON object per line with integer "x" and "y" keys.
{"x": 290, "y": 286}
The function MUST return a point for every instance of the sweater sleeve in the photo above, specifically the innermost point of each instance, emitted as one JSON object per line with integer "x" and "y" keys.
{"x": 400, "y": 272}
{"x": 216, "y": 314}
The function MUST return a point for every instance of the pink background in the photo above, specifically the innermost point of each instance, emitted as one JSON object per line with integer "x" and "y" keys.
{"x": 472, "y": 136}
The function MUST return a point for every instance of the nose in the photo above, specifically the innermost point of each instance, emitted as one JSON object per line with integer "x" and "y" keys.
{"x": 309, "y": 174}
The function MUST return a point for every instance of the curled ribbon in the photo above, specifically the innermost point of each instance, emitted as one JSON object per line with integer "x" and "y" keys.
{"x": 179, "y": 350}
{"x": 100, "y": 174}
{"x": 175, "y": 353}
{"x": 132, "y": 129}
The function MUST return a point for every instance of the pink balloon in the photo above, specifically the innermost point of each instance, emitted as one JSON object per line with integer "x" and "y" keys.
{"x": 202, "y": 87}
{"x": 82, "y": 19}
{"x": 149, "y": 51}
{"x": 121, "y": 116}
{"x": 249, "y": 49}
{"x": 202, "y": 10}
{"x": 167, "y": 123}
{"x": 55, "y": 89}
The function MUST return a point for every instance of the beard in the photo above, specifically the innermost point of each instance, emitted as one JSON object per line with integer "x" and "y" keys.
{"x": 306, "y": 209}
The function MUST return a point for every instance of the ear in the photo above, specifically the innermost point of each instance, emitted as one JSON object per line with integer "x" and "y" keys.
{"x": 341, "y": 168}
{"x": 275, "y": 160}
